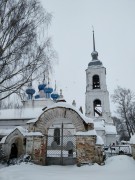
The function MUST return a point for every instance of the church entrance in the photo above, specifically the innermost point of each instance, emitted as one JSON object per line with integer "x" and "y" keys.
{"x": 61, "y": 144}
{"x": 14, "y": 151}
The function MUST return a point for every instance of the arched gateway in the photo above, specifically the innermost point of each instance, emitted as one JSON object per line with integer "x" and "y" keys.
{"x": 68, "y": 137}
{"x": 60, "y": 124}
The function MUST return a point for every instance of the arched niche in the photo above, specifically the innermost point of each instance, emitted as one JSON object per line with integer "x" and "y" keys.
{"x": 17, "y": 138}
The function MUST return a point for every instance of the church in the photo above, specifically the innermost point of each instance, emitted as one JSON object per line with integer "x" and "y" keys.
{"x": 53, "y": 132}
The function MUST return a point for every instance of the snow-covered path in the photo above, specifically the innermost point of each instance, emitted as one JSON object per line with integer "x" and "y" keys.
{"x": 118, "y": 167}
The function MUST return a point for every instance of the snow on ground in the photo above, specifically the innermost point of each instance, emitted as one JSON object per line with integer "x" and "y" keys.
{"x": 118, "y": 167}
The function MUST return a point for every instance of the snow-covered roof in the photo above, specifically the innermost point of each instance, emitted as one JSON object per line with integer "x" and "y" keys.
{"x": 34, "y": 112}
{"x": 132, "y": 139}
{"x": 110, "y": 129}
{"x": 99, "y": 125}
{"x": 34, "y": 134}
{"x": 23, "y": 131}
{"x": 8, "y": 131}
{"x": 5, "y": 132}
{"x": 102, "y": 126}
{"x": 66, "y": 105}
{"x": 32, "y": 121}
{"x": 3, "y": 140}
{"x": 99, "y": 140}
{"x": 23, "y": 113}
{"x": 87, "y": 133}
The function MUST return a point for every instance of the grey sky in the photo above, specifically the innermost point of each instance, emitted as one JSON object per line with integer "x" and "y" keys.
{"x": 71, "y": 31}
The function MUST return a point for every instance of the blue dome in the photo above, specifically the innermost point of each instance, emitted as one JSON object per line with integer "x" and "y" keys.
{"x": 54, "y": 95}
{"x": 30, "y": 91}
{"x": 37, "y": 96}
{"x": 41, "y": 87}
{"x": 48, "y": 90}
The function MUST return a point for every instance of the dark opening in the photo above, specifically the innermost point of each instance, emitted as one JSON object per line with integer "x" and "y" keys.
{"x": 96, "y": 82}
{"x": 97, "y": 108}
{"x": 14, "y": 151}
{"x": 57, "y": 135}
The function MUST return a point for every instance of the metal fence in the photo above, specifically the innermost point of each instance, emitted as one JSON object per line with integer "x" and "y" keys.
{"x": 118, "y": 150}
{"x": 61, "y": 149}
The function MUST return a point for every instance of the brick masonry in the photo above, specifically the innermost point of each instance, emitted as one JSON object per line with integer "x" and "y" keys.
{"x": 87, "y": 151}
{"x": 36, "y": 147}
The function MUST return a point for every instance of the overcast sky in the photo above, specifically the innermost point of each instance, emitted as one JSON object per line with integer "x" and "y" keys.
{"x": 71, "y": 32}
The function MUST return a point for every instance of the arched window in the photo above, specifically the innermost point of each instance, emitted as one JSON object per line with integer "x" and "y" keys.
{"x": 96, "y": 82}
{"x": 57, "y": 135}
{"x": 97, "y": 108}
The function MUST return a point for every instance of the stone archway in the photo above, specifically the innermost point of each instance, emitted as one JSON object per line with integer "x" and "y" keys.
{"x": 47, "y": 118}
{"x": 64, "y": 151}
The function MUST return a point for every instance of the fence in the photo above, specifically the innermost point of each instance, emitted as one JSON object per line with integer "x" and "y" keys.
{"x": 117, "y": 150}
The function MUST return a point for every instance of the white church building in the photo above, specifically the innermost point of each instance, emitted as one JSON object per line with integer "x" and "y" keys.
{"x": 48, "y": 115}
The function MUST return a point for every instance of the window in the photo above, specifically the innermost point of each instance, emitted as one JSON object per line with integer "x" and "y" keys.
{"x": 96, "y": 82}
{"x": 57, "y": 135}
{"x": 97, "y": 108}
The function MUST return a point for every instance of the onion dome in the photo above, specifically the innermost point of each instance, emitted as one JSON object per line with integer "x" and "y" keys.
{"x": 30, "y": 91}
{"x": 37, "y": 96}
{"x": 54, "y": 94}
{"x": 41, "y": 86}
{"x": 48, "y": 90}
{"x": 94, "y": 55}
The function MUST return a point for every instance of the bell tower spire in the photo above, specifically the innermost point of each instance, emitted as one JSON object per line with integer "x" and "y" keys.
{"x": 93, "y": 41}
{"x": 97, "y": 96}
{"x": 94, "y": 54}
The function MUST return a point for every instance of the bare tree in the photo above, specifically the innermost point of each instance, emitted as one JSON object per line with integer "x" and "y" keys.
{"x": 121, "y": 128}
{"x": 25, "y": 51}
{"x": 125, "y": 100}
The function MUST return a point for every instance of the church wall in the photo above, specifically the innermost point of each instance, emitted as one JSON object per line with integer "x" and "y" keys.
{"x": 110, "y": 139}
{"x": 36, "y": 147}
{"x": 101, "y": 133}
{"x": 87, "y": 152}
{"x": 11, "y": 123}
{"x": 42, "y": 102}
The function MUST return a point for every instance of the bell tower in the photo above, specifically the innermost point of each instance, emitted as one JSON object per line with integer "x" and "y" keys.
{"x": 96, "y": 96}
